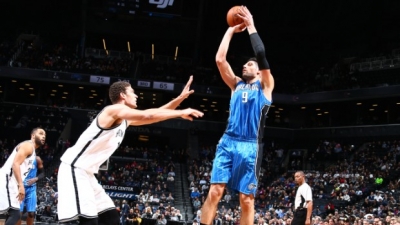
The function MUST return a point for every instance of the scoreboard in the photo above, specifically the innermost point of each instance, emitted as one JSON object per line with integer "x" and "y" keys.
{"x": 145, "y": 7}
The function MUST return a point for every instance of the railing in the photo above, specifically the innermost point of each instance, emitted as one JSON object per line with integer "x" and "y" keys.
{"x": 101, "y": 53}
{"x": 167, "y": 59}
{"x": 376, "y": 65}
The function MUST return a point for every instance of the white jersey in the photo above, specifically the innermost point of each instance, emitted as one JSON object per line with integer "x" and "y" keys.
{"x": 25, "y": 167}
{"x": 95, "y": 146}
{"x": 305, "y": 191}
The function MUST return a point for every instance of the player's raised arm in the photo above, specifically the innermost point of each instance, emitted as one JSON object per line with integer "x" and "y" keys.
{"x": 223, "y": 66}
{"x": 25, "y": 149}
{"x": 184, "y": 94}
{"x": 266, "y": 77}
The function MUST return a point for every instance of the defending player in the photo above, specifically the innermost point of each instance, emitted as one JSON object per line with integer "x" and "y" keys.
{"x": 80, "y": 196}
{"x": 239, "y": 151}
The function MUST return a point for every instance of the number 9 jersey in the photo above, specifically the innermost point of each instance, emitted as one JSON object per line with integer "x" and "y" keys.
{"x": 247, "y": 112}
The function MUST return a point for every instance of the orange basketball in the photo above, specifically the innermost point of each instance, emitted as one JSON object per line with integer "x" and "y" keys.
{"x": 232, "y": 18}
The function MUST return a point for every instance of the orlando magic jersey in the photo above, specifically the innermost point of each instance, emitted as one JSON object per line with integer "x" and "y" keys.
{"x": 95, "y": 146}
{"x": 25, "y": 167}
{"x": 247, "y": 111}
{"x": 31, "y": 174}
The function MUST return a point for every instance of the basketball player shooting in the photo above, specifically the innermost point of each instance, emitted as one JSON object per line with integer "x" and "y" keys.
{"x": 239, "y": 152}
{"x": 14, "y": 172}
{"x": 80, "y": 196}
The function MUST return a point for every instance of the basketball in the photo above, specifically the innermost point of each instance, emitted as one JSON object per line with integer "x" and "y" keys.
{"x": 232, "y": 18}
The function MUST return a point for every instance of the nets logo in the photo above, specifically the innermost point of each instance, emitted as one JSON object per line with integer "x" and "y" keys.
{"x": 162, "y": 4}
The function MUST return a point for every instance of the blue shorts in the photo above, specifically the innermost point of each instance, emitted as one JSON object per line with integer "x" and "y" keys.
{"x": 237, "y": 163}
{"x": 30, "y": 199}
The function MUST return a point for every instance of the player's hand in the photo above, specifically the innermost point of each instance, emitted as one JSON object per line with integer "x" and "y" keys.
{"x": 237, "y": 28}
{"x": 189, "y": 113}
{"x": 246, "y": 16}
{"x": 31, "y": 181}
{"x": 186, "y": 90}
{"x": 21, "y": 193}
{"x": 308, "y": 222}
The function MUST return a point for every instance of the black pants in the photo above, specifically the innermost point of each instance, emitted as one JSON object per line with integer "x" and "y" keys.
{"x": 299, "y": 217}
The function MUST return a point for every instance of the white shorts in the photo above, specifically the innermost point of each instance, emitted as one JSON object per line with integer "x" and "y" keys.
{"x": 80, "y": 194}
{"x": 8, "y": 194}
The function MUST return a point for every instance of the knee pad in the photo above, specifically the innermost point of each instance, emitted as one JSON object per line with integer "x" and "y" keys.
{"x": 86, "y": 221}
{"x": 109, "y": 217}
{"x": 13, "y": 217}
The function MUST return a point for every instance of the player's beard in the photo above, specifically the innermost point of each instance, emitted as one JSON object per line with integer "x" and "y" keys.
{"x": 38, "y": 142}
{"x": 248, "y": 76}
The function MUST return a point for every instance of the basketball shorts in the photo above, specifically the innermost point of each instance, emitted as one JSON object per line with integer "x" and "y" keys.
{"x": 8, "y": 193}
{"x": 237, "y": 163}
{"x": 80, "y": 194}
{"x": 30, "y": 200}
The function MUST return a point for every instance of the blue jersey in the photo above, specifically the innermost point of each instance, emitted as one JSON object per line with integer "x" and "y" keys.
{"x": 31, "y": 174}
{"x": 247, "y": 112}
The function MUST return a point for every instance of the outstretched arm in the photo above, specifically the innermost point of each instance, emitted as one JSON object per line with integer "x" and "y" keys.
{"x": 177, "y": 101}
{"x": 141, "y": 117}
{"x": 223, "y": 66}
{"x": 258, "y": 47}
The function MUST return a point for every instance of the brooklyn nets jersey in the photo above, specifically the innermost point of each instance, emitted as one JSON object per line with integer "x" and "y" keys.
{"x": 95, "y": 146}
{"x": 247, "y": 112}
{"x": 25, "y": 167}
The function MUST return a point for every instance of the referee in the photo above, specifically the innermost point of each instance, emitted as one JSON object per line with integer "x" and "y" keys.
{"x": 303, "y": 204}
